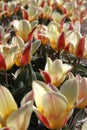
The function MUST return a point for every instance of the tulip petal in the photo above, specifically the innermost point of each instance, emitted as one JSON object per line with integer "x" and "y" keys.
{"x": 61, "y": 41}
{"x": 82, "y": 95}
{"x": 39, "y": 89}
{"x": 45, "y": 76}
{"x": 11, "y": 56}
{"x": 51, "y": 102}
{"x": 41, "y": 117}
{"x": 25, "y": 14}
{"x": 52, "y": 88}
{"x": 48, "y": 65}
{"x": 84, "y": 126}
{"x": 7, "y": 103}
{"x": 7, "y": 128}
{"x": 2, "y": 62}
{"x": 80, "y": 48}
{"x": 31, "y": 34}
{"x": 24, "y": 28}
{"x": 16, "y": 40}
{"x": 26, "y": 54}
{"x": 27, "y": 97}
{"x": 57, "y": 67}
{"x": 70, "y": 90}
{"x": 66, "y": 68}
{"x": 20, "y": 119}
{"x": 55, "y": 107}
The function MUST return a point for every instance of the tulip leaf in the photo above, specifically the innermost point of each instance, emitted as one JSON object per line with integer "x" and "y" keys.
{"x": 34, "y": 23}
{"x": 25, "y": 76}
{"x": 20, "y": 119}
{"x": 35, "y": 45}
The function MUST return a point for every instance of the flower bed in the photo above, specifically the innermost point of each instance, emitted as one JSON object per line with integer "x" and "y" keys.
{"x": 43, "y": 64}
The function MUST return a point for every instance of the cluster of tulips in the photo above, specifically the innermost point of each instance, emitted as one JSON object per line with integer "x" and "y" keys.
{"x": 54, "y": 97}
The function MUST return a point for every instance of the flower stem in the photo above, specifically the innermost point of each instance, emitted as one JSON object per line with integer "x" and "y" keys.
{"x": 6, "y": 79}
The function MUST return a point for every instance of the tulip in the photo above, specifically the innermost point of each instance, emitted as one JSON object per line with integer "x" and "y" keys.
{"x": 7, "y": 53}
{"x": 40, "y": 34}
{"x": 46, "y": 12}
{"x": 4, "y": 37}
{"x": 31, "y": 14}
{"x": 25, "y": 51}
{"x": 24, "y": 29}
{"x": 82, "y": 90}
{"x": 55, "y": 71}
{"x": 59, "y": 18}
{"x": 56, "y": 36}
{"x": 10, "y": 8}
{"x": 75, "y": 10}
{"x": 77, "y": 42}
{"x": 12, "y": 117}
{"x": 54, "y": 107}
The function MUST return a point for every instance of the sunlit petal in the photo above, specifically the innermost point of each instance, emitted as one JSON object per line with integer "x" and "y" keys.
{"x": 7, "y": 103}
{"x": 27, "y": 97}
{"x": 57, "y": 67}
{"x": 11, "y": 55}
{"x": 7, "y": 128}
{"x": 84, "y": 126}
{"x": 24, "y": 29}
{"x": 41, "y": 117}
{"x": 51, "y": 102}
{"x": 52, "y": 110}
{"x": 20, "y": 119}
{"x": 70, "y": 91}
{"x": 48, "y": 65}
{"x": 18, "y": 41}
{"x": 39, "y": 89}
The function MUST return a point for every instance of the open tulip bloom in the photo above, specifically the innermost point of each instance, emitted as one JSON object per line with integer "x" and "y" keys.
{"x": 12, "y": 118}
{"x": 54, "y": 107}
{"x": 55, "y": 71}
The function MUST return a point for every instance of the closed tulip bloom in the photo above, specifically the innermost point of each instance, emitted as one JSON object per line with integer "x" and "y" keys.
{"x": 12, "y": 117}
{"x": 82, "y": 93}
{"x": 7, "y": 53}
{"x": 22, "y": 28}
{"x": 25, "y": 51}
{"x": 31, "y": 14}
{"x": 53, "y": 107}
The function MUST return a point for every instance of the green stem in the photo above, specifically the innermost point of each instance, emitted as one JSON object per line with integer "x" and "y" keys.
{"x": 6, "y": 79}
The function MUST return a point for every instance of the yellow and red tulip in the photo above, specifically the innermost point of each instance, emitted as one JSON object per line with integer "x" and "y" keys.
{"x": 41, "y": 35}
{"x": 25, "y": 51}
{"x": 9, "y": 8}
{"x": 56, "y": 36}
{"x": 46, "y": 12}
{"x": 7, "y": 53}
{"x": 54, "y": 107}
{"x": 55, "y": 71}
{"x": 82, "y": 90}
{"x": 24, "y": 29}
{"x": 4, "y": 36}
{"x": 31, "y": 14}
{"x": 11, "y": 116}
{"x": 59, "y": 18}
